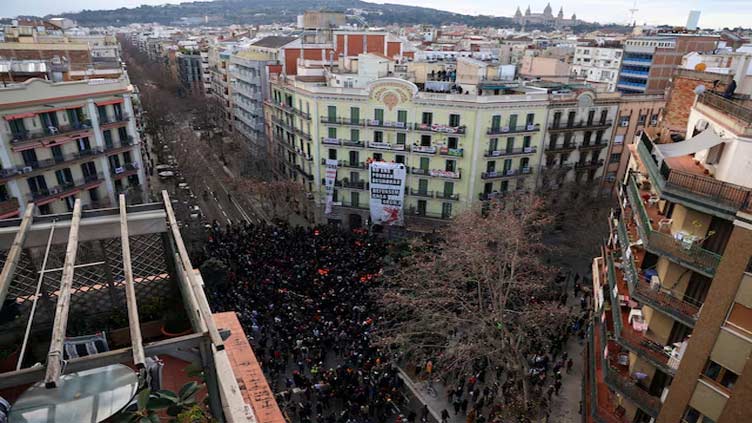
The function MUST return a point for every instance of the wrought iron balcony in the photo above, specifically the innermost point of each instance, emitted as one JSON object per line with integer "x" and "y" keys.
{"x": 50, "y": 132}
{"x": 588, "y": 165}
{"x": 563, "y": 148}
{"x": 501, "y": 130}
{"x": 510, "y": 152}
{"x": 509, "y": 173}
{"x": 577, "y": 126}
{"x": 421, "y": 193}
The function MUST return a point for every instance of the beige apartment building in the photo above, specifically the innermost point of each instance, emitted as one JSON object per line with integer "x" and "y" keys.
{"x": 672, "y": 332}
{"x": 62, "y": 141}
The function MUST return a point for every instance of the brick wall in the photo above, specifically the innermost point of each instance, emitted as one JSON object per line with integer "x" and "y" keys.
{"x": 681, "y": 98}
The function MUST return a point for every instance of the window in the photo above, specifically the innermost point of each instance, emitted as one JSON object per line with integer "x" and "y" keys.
{"x": 355, "y": 135}
{"x": 448, "y": 188}
{"x": 641, "y": 119}
{"x": 590, "y": 117}
{"x": 496, "y": 122}
{"x": 83, "y": 144}
{"x": 402, "y": 116}
{"x": 586, "y": 138}
{"x": 491, "y": 166}
{"x": 399, "y": 158}
{"x": 354, "y": 156}
{"x": 64, "y": 177}
{"x": 507, "y": 165}
{"x": 693, "y": 416}
{"x": 557, "y": 119}
{"x": 378, "y": 136}
{"x": 615, "y": 158}
{"x": 512, "y": 122}
{"x": 427, "y": 118}
{"x": 530, "y": 119}
{"x": 451, "y": 166}
{"x": 740, "y": 319}
{"x": 425, "y": 140}
{"x": 604, "y": 116}
{"x": 493, "y": 145}
{"x": 331, "y": 113}
{"x": 354, "y": 115}
{"x": 618, "y": 139}
{"x": 89, "y": 169}
{"x": 401, "y": 138}
{"x": 378, "y": 115}
{"x": 452, "y": 142}
{"x": 333, "y": 153}
{"x": 423, "y": 185}
{"x": 424, "y": 163}
{"x": 355, "y": 198}
{"x": 720, "y": 374}
{"x": 526, "y": 141}
{"x": 570, "y": 119}
{"x": 510, "y": 144}
{"x": 446, "y": 210}
{"x": 332, "y": 132}
{"x": 454, "y": 120}
{"x": 378, "y": 157}
{"x": 421, "y": 207}
{"x": 487, "y": 187}
{"x": 654, "y": 120}
{"x": 30, "y": 157}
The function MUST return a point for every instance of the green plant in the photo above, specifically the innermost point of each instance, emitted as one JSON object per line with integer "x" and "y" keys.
{"x": 194, "y": 414}
{"x": 146, "y": 411}
{"x": 150, "y": 309}
{"x": 183, "y": 400}
{"x": 175, "y": 404}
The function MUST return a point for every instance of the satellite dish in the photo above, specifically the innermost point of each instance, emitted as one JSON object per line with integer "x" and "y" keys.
{"x": 700, "y": 67}
{"x": 699, "y": 89}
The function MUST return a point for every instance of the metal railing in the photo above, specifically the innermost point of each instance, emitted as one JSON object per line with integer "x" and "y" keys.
{"x": 680, "y": 183}
{"x": 506, "y": 173}
{"x": 510, "y": 152}
{"x": 500, "y": 130}
{"x": 64, "y": 188}
{"x": 51, "y": 131}
{"x": 730, "y": 106}
{"x": 590, "y": 164}
{"x": 564, "y": 148}
{"x": 648, "y": 403}
{"x": 421, "y": 193}
{"x": 447, "y": 196}
{"x": 558, "y": 126}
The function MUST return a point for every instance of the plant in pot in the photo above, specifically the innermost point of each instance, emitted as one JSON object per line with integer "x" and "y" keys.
{"x": 179, "y": 407}
{"x": 175, "y": 323}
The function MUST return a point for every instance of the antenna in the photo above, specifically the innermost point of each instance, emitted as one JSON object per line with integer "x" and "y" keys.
{"x": 632, "y": 13}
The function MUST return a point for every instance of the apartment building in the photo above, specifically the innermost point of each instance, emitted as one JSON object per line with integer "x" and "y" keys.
{"x": 649, "y": 61}
{"x": 458, "y": 148}
{"x": 637, "y": 113}
{"x": 578, "y": 134}
{"x": 598, "y": 65}
{"x": 62, "y": 141}
{"x": 671, "y": 337}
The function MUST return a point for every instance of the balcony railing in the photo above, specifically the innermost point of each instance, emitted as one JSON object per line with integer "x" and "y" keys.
{"x": 594, "y": 146}
{"x": 628, "y": 388}
{"x": 510, "y": 152}
{"x": 51, "y": 131}
{"x": 41, "y": 196}
{"x": 499, "y": 130}
{"x": 342, "y": 121}
{"x": 509, "y": 173}
{"x": 107, "y": 120}
{"x": 570, "y": 126}
{"x": 124, "y": 170}
{"x": 361, "y": 185}
{"x": 444, "y": 129}
{"x": 663, "y": 300}
{"x": 588, "y": 165}
{"x": 691, "y": 189}
{"x": 738, "y": 108}
{"x": 421, "y": 193}
{"x": 447, "y": 196}
{"x": 564, "y": 148}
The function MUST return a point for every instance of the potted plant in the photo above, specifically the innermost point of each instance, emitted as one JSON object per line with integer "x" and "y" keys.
{"x": 175, "y": 323}
{"x": 180, "y": 406}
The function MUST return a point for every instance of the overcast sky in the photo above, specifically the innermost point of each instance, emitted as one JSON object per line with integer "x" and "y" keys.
{"x": 715, "y": 13}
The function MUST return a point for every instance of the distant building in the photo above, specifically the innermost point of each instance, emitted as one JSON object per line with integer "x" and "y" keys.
{"x": 598, "y": 65}
{"x": 693, "y": 19}
{"x": 546, "y": 18}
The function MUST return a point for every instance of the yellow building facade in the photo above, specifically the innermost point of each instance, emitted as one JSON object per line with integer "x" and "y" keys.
{"x": 459, "y": 149}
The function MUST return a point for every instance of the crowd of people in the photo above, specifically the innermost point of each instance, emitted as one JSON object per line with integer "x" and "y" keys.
{"x": 302, "y": 295}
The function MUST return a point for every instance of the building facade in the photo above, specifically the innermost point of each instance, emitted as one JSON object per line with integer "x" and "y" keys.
{"x": 671, "y": 337}
{"x": 649, "y": 61}
{"x": 66, "y": 141}
{"x": 598, "y": 65}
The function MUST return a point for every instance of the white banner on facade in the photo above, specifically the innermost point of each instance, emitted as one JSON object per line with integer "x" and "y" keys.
{"x": 387, "y": 193}
{"x": 329, "y": 178}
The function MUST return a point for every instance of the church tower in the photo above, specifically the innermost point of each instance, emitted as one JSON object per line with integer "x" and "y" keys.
{"x": 547, "y": 11}
{"x": 561, "y": 13}
{"x": 518, "y": 16}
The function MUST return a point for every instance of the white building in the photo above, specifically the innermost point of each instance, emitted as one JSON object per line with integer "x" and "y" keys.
{"x": 598, "y": 65}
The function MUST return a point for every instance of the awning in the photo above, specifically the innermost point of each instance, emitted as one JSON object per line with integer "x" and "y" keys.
{"x": 702, "y": 141}
{"x": 105, "y": 103}
{"x": 19, "y": 116}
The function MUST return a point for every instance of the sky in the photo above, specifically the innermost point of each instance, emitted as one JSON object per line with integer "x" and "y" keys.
{"x": 715, "y": 13}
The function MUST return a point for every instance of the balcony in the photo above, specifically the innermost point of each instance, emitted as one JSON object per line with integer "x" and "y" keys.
{"x": 443, "y": 129}
{"x": 498, "y": 130}
{"x": 421, "y": 193}
{"x": 563, "y": 148}
{"x": 588, "y": 165}
{"x": 624, "y": 334}
{"x": 577, "y": 126}
{"x": 106, "y": 122}
{"x": 125, "y": 170}
{"x": 631, "y": 86}
{"x": 386, "y": 124}
{"x": 738, "y": 108}
{"x": 636, "y": 61}
{"x": 511, "y": 152}
{"x": 635, "y": 74}
{"x": 694, "y": 190}
{"x": 303, "y": 172}
{"x": 598, "y": 145}
{"x": 359, "y": 185}
{"x": 454, "y": 152}
{"x": 8, "y": 207}
{"x": 342, "y": 121}
{"x": 447, "y": 196}
{"x": 21, "y": 138}
{"x": 664, "y": 243}
{"x": 629, "y": 388}
{"x": 61, "y": 191}
{"x": 509, "y": 173}
{"x": 348, "y": 164}
{"x": 666, "y": 301}
{"x": 375, "y": 145}
{"x": 423, "y": 149}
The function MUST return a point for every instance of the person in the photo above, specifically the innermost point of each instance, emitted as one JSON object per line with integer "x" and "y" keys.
{"x": 557, "y": 386}
{"x": 570, "y": 363}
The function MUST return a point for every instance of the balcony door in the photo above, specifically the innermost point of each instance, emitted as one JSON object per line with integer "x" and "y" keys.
{"x": 89, "y": 169}
{"x": 421, "y": 207}
{"x": 64, "y": 177}
{"x": 30, "y": 157}
{"x": 354, "y": 115}
{"x": 37, "y": 184}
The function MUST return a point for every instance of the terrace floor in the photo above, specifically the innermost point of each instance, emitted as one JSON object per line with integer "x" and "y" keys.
{"x": 686, "y": 164}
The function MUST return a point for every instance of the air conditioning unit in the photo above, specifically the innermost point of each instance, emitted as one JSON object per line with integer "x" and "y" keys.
{"x": 119, "y": 170}
{"x": 27, "y": 169}
{"x": 510, "y": 172}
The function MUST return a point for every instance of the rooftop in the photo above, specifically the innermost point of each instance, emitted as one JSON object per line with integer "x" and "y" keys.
{"x": 274, "y": 41}
{"x": 93, "y": 290}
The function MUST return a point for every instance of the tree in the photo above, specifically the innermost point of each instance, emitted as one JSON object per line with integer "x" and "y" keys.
{"x": 279, "y": 199}
{"x": 478, "y": 298}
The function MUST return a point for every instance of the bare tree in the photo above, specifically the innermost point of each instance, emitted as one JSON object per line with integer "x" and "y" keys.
{"x": 478, "y": 298}
{"x": 280, "y": 199}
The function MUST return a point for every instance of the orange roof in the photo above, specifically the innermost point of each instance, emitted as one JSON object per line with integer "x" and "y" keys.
{"x": 253, "y": 385}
